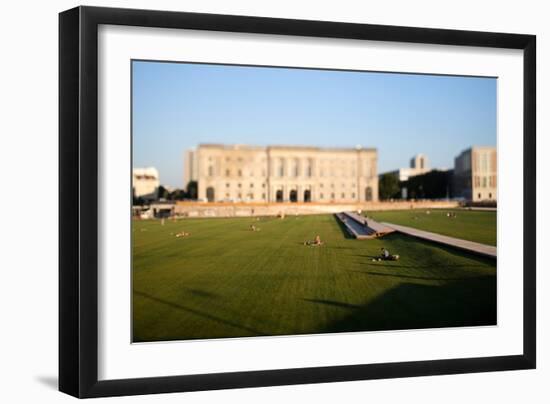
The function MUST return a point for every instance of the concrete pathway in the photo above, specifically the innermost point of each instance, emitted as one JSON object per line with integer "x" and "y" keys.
{"x": 471, "y": 246}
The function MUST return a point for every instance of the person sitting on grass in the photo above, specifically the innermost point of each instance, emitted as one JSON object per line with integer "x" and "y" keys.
{"x": 386, "y": 256}
{"x": 254, "y": 228}
{"x": 315, "y": 241}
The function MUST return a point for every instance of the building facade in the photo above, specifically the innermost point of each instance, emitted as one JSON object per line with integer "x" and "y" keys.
{"x": 190, "y": 170}
{"x": 236, "y": 173}
{"x": 475, "y": 174}
{"x": 145, "y": 183}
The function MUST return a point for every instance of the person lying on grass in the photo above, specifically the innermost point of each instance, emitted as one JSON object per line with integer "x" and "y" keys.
{"x": 315, "y": 241}
{"x": 386, "y": 256}
{"x": 182, "y": 234}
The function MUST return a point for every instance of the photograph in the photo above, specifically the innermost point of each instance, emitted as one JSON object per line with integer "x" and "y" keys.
{"x": 278, "y": 201}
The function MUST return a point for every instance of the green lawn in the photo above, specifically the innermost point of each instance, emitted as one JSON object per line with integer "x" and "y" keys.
{"x": 227, "y": 281}
{"x": 479, "y": 226}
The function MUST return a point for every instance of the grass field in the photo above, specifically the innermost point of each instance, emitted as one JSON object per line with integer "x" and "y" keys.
{"x": 479, "y": 226}
{"x": 227, "y": 281}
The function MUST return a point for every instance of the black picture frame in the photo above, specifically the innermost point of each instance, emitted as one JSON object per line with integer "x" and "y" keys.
{"x": 78, "y": 201}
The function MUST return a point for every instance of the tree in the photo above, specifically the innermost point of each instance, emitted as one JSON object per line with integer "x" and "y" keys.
{"x": 162, "y": 193}
{"x": 432, "y": 185}
{"x": 388, "y": 186}
{"x": 138, "y": 201}
{"x": 177, "y": 195}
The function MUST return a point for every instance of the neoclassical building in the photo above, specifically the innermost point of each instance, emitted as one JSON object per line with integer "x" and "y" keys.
{"x": 145, "y": 183}
{"x": 285, "y": 173}
{"x": 475, "y": 174}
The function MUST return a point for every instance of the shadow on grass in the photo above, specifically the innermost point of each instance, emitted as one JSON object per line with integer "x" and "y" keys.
{"x": 458, "y": 303}
{"x": 200, "y": 293}
{"x": 392, "y": 264}
{"x": 333, "y": 303}
{"x": 422, "y": 278}
{"x": 196, "y": 312}
{"x": 406, "y": 241}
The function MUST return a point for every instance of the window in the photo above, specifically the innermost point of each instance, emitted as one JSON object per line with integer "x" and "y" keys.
{"x": 321, "y": 196}
{"x": 484, "y": 162}
{"x": 227, "y": 184}
{"x": 240, "y": 173}
{"x": 484, "y": 182}
{"x": 478, "y": 196}
{"x": 281, "y": 167}
{"x": 263, "y": 185}
{"x": 227, "y": 173}
{"x": 239, "y": 185}
{"x": 368, "y": 194}
{"x": 490, "y": 195}
{"x": 343, "y": 195}
{"x": 210, "y": 194}
{"x": 332, "y": 195}
{"x": 227, "y": 195}
{"x": 293, "y": 196}
{"x": 353, "y": 195}
{"x": 251, "y": 185}
{"x": 263, "y": 196}
{"x": 321, "y": 185}
{"x": 210, "y": 171}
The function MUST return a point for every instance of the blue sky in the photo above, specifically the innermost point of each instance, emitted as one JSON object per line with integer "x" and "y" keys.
{"x": 179, "y": 105}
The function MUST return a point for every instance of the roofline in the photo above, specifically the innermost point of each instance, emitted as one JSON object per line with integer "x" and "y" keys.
{"x": 284, "y": 147}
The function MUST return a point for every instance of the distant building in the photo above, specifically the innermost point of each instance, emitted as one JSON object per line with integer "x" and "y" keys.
{"x": 286, "y": 174}
{"x": 418, "y": 165}
{"x": 475, "y": 174}
{"x": 145, "y": 183}
{"x": 190, "y": 170}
